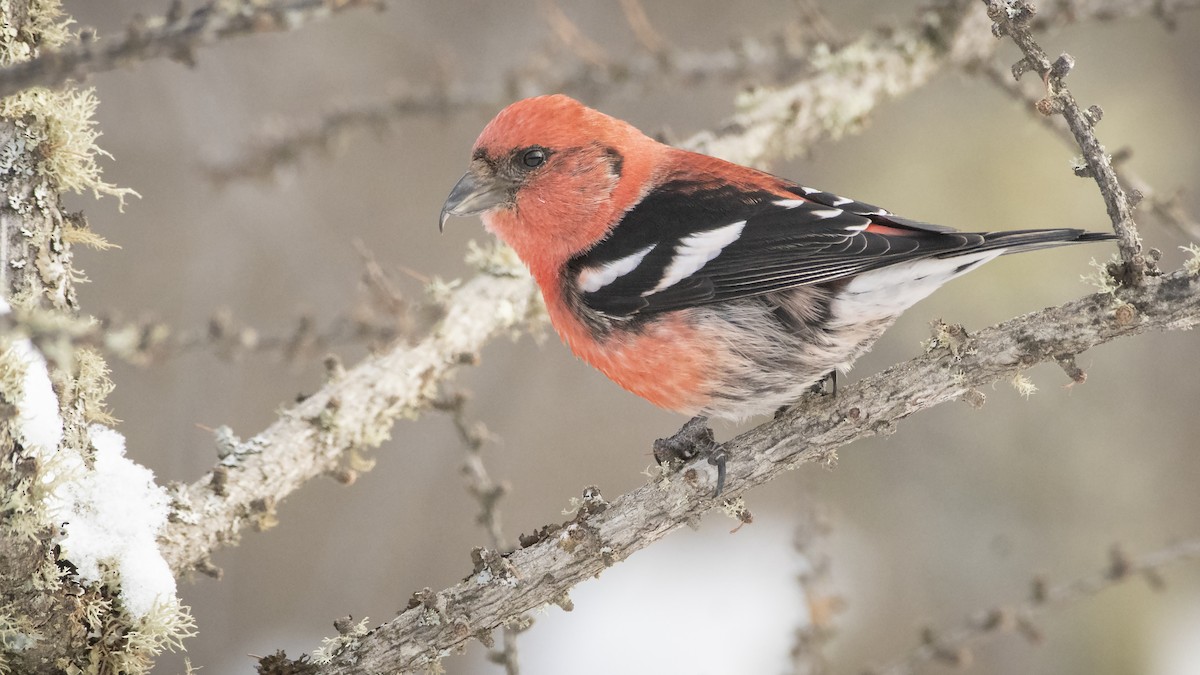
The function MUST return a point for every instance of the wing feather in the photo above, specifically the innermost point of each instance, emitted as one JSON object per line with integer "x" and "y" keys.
{"x": 697, "y": 242}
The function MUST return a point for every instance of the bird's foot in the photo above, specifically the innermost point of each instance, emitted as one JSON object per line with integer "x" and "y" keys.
{"x": 695, "y": 438}
{"x": 826, "y": 385}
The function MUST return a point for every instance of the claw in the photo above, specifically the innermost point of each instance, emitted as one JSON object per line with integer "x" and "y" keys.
{"x": 717, "y": 459}
{"x": 819, "y": 386}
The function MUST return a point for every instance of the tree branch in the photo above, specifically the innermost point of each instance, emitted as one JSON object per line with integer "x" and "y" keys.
{"x": 327, "y": 432}
{"x": 951, "y": 647}
{"x": 315, "y": 436}
{"x": 839, "y": 84}
{"x": 1167, "y": 210}
{"x": 1012, "y": 19}
{"x": 242, "y": 489}
{"x": 175, "y": 35}
{"x": 603, "y": 533}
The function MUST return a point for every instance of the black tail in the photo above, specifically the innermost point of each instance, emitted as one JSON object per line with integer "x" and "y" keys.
{"x": 1017, "y": 241}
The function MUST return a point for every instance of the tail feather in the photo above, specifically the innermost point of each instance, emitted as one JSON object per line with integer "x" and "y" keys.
{"x": 1016, "y": 241}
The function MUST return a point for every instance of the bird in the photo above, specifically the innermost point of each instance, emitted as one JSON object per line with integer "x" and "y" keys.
{"x": 705, "y": 287}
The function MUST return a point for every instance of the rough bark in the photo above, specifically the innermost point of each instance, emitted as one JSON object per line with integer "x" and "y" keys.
{"x": 503, "y": 587}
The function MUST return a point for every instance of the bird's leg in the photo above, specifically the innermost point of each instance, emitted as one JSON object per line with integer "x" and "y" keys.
{"x": 830, "y": 379}
{"x": 693, "y": 439}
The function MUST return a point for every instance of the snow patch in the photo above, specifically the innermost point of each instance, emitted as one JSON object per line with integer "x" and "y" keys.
{"x": 111, "y": 516}
{"x": 38, "y": 425}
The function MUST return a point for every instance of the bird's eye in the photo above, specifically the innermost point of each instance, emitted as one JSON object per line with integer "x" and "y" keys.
{"x": 533, "y": 158}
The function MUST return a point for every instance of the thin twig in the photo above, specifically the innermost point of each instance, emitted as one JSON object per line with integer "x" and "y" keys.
{"x": 645, "y": 32}
{"x": 1012, "y": 19}
{"x": 353, "y": 411}
{"x": 287, "y": 146}
{"x": 814, "y": 21}
{"x": 1166, "y": 210}
{"x": 834, "y": 88}
{"x": 175, "y": 35}
{"x": 952, "y": 646}
{"x": 808, "y": 646}
{"x": 488, "y": 493}
{"x": 381, "y": 315}
{"x": 566, "y": 30}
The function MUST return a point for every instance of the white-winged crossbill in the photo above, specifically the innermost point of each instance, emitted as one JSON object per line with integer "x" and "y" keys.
{"x": 703, "y": 286}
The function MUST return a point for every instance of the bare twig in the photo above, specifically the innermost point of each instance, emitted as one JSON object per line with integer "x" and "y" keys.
{"x": 503, "y": 587}
{"x": 645, "y": 32}
{"x": 808, "y": 655}
{"x": 813, "y": 20}
{"x": 479, "y": 482}
{"x": 836, "y": 85}
{"x": 574, "y": 39}
{"x": 287, "y": 146}
{"x": 1166, "y": 11}
{"x": 176, "y": 35}
{"x": 488, "y": 493}
{"x": 952, "y": 646}
{"x": 380, "y": 316}
{"x": 1167, "y": 210}
{"x": 1012, "y": 19}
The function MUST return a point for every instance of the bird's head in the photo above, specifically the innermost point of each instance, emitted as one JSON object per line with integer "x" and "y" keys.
{"x": 550, "y": 176}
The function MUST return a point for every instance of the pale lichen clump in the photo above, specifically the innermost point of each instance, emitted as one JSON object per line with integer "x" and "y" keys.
{"x": 43, "y": 26}
{"x": 1024, "y": 386}
{"x": 58, "y": 127}
{"x": 105, "y": 518}
{"x": 17, "y": 634}
{"x": 1191, "y": 266}
{"x": 330, "y": 646}
{"x": 1100, "y": 277}
{"x": 494, "y": 258}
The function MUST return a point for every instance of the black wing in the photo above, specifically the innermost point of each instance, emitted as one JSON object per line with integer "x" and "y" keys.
{"x": 688, "y": 243}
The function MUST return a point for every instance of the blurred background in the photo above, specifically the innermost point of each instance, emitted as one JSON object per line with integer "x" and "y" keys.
{"x": 953, "y": 514}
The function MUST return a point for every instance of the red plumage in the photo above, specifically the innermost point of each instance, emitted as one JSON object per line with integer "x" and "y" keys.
{"x": 703, "y": 286}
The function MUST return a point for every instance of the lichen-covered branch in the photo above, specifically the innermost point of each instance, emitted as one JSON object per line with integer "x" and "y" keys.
{"x": 176, "y": 35}
{"x": 328, "y": 432}
{"x": 951, "y": 647}
{"x": 845, "y": 85}
{"x": 1012, "y": 19}
{"x": 603, "y": 533}
{"x": 82, "y": 587}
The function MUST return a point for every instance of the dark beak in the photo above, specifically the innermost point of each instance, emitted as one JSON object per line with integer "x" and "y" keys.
{"x": 473, "y": 194}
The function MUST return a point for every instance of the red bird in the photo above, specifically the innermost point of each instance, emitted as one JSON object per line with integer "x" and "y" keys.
{"x": 704, "y": 287}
